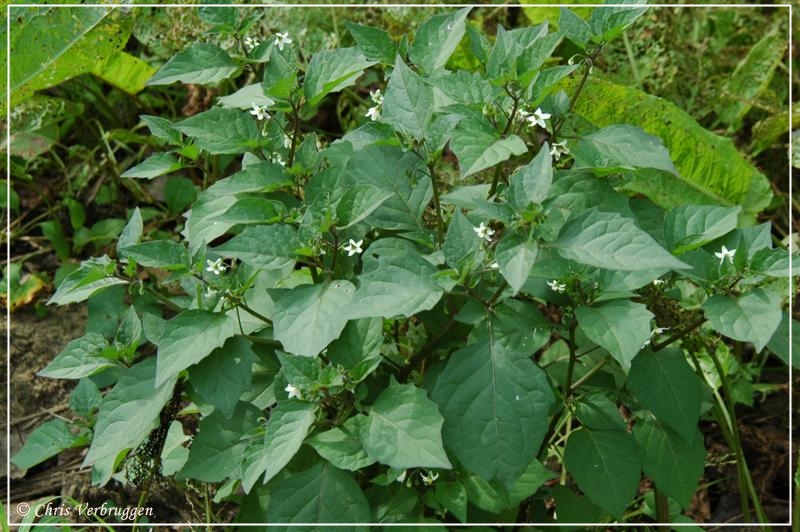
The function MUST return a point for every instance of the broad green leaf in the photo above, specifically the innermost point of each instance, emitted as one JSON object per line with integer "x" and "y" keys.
{"x": 223, "y": 376}
{"x": 165, "y": 254}
{"x": 162, "y": 129}
{"x": 85, "y": 398}
{"x": 251, "y": 210}
{"x": 80, "y": 358}
{"x": 516, "y": 255}
{"x": 358, "y": 203}
{"x": 375, "y": 43}
{"x": 124, "y": 71}
{"x": 597, "y": 412}
{"x": 342, "y": 446}
{"x": 491, "y": 497}
{"x": 786, "y": 341}
{"x": 453, "y": 497}
{"x": 404, "y": 429}
{"x": 673, "y": 462}
{"x": 245, "y": 97}
{"x": 131, "y": 233}
{"x": 221, "y": 130}
{"x": 331, "y": 71}
{"x": 218, "y": 445}
{"x": 408, "y": 103}
{"x": 605, "y": 465}
{"x": 188, "y": 338}
{"x": 501, "y": 65}
{"x": 609, "y": 22}
{"x": 478, "y": 146}
{"x": 461, "y": 241}
{"x": 287, "y": 427}
{"x": 263, "y": 246}
{"x": 358, "y": 349}
{"x": 46, "y": 441}
{"x": 321, "y": 494}
{"x": 608, "y": 240}
{"x": 774, "y": 262}
{"x": 308, "y": 318}
{"x": 92, "y": 276}
{"x": 179, "y": 193}
{"x": 752, "y": 317}
{"x": 174, "y": 454}
{"x": 201, "y": 64}
{"x": 396, "y": 281}
{"x": 751, "y": 77}
{"x": 436, "y": 39}
{"x": 531, "y": 183}
{"x": 710, "y": 168}
{"x": 219, "y": 16}
{"x": 666, "y": 385}
{"x": 621, "y": 146}
{"x": 692, "y": 226}
{"x": 55, "y": 234}
{"x": 520, "y": 327}
{"x": 534, "y": 476}
{"x": 574, "y": 27}
{"x": 496, "y": 405}
{"x": 621, "y": 327}
{"x": 574, "y": 508}
{"x": 135, "y": 401}
{"x": 469, "y": 88}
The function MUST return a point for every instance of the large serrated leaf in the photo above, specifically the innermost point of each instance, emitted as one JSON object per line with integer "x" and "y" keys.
{"x": 223, "y": 376}
{"x": 263, "y": 246}
{"x": 221, "y": 130}
{"x": 691, "y": 226}
{"x": 516, "y": 254}
{"x": 331, "y": 71}
{"x": 436, "y": 39}
{"x": 478, "y": 146}
{"x": 752, "y": 317}
{"x": 408, "y": 103}
{"x": 621, "y": 146}
{"x": 80, "y": 358}
{"x": 621, "y": 327}
{"x": 201, "y": 63}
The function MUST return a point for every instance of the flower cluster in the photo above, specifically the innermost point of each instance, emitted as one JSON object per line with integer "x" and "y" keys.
{"x": 558, "y": 149}
{"x": 374, "y": 112}
{"x": 250, "y": 43}
{"x": 555, "y": 286}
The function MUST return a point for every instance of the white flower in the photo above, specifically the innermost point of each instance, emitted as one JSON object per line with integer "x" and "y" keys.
{"x": 373, "y": 113}
{"x": 494, "y": 266}
{"x": 538, "y": 118}
{"x": 282, "y": 39}
{"x": 402, "y": 476}
{"x": 658, "y": 330}
{"x": 277, "y": 159}
{"x": 523, "y": 115}
{"x": 484, "y": 232}
{"x": 293, "y": 392}
{"x": 725, "y": 253}
{"x": 429, "y": 478}
{"x": 555, "y": 286}
{"x": 210, "y": 292}
{"x": 376, "y": 96}
{"x": 558, "y": 149}
{"x": 353, "y": 247}
{"x": 216, "y": 267}
{"x": 259, "y": 111}
{"x": 657, "y": 282}
{"x": 250, "y": 43}
{"x": 287, "y": 142}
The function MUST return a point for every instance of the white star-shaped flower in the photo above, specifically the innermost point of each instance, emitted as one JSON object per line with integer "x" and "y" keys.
{"x": 373, "y": 113}
{"x": 353, "y": 247}
{"x": 657, "y": 282}
{"x": 282, "y": 39}
{"x": 555, "y": 286}
{"x": 402, "y": 476}
{"x": 216, "y": 267}
{"x": 538, "y": 118}
{"x": 484, "y": 232}
{"x": 558, "y": 149}
{"x": 259, "y": 111}
{"x": 725, "y": 253}
{"x": 430, "y": 478}
{"x": 376, "y": 96}
{"x": 251, "y": 42}
{"x": 293, "y": 391}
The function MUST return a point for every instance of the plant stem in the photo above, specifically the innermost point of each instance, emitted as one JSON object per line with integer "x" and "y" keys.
{"x": 242, "y": 305}
{"x": 590, "y": 62}
{"x": 662, "y": 509}
{"x": 568, "y": 389}
{"x": 577, "y": 384}
{"x": 495, "y": 182}
{"x": 436, "y": 205}
{"x": 631, "y": 60}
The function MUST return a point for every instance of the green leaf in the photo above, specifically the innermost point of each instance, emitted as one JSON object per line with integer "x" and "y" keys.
{"x": 358, "y": 203}
{"x": 752, "y": 317}
{"x": 396, "y": 281}
{"x": 710, "y": 168}
{"x": 80, "y": 358}
{"x": 607, "y": 23}
{"x": 218, "y": 445}
{"x": 621, "y": 146}
{"x": 162, "y": 129}
{"x": 286, "y": 429}
{"x": 201, "y": 64}
{"x": 786, "y": 340}
{"x": 55, "y": 234}
{"x": 124, "y": 71}
{"x": 531, "y": 183}
{"x": 358, "y": 349}
{"x": 607, "y": 240}
{"x": 516, "y": 254}
{"x": 308, "y": 318}
{"x": 574, "y": 27}
{"x": 375, "y": 43}
{"x": 221, "y": 131}
{"x": 501, "y": 65}
{"x": 453, "y": 497}
{"x": 92, "y": 276}
{"x": 165, "y": 254}
{"x": 46, "y": 441}
{"x": 174, "y": 454}
{"x": 263, "y": 246}
{"x": 179, "y": 193}
{"x": 331, "y": 71}
{"x": 666, "y": 385}
{"x": 691, "y": 226}
{"x": 223, "y": 376}
{"x": 251, "y": 210}
{"x": 130, "y": 234}
{"x": 85, "y": 398}
{"x": 135, "y": 401}
{"x": 408, "y": 103}
{"x": 321, "y": 494}
{"x": 774, "y": 262}
{"x": 245, "y": 97}
{"x": 461, "y": 242}
{"x": 674, "y": 463}
{"x": 574, "y": 508}
{"x": 534, "y": 476}
{"x": 188, "y": 338}
{"x": 605, "y": 465}
{"x": 403, "y": 429}
{"x": 342, "y": 446}
{"x": 621, "y": 327}
{"x": 436, "y": 39}
{"x": 496, "y": 406}
{"x": 751, "y": 78}
{"x": 478, "y": 146}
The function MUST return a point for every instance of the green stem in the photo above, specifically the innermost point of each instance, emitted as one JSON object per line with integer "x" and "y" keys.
{"x": 662, "y": 509}
{"x": 588, "y": 67}
{"x": 631, "y": 59}
{"x": 162, "y": 299}
{"x": 568, "y": 390}
{"x": 437, "y": 206}
{"x": 207, "y": 500}
{"x": 577, "y": 384}
{"x": 242, "y": 305}
{"x": 495, "y": 182}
